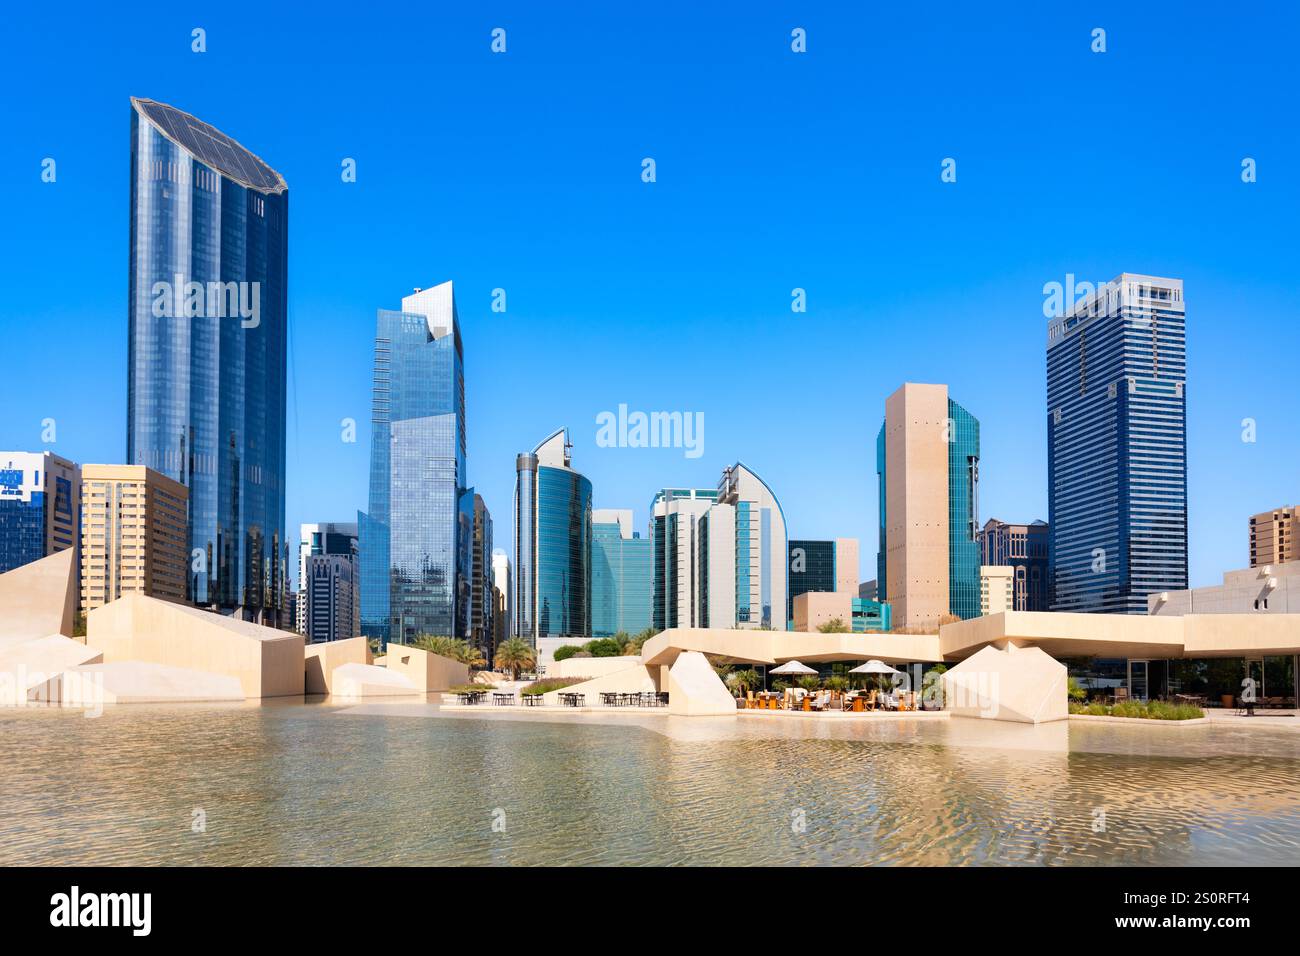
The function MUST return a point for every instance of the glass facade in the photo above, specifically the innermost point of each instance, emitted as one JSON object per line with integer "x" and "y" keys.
{"x": 207, "y": 328}
{"x": 22, "y": 526}
{"x": 812, "y": 568}
{"x": 881, "y": 578}
{"x": 622, "y": 578}
{"x": 563, "y": 553}
{"x": 1215, "y": 680}
{"x": 416, "y": 538}
{"x": 963, "y": 513}
{"x": 870, "y": 615}
{"x": 1117, "y": 479}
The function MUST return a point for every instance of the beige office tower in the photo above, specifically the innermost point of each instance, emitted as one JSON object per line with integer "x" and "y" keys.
{"x": 1275, "y": 536}
{"x": 133, "y": 534}
{"x": 916, "y": 445}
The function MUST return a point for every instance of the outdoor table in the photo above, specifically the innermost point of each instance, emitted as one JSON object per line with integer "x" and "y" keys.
{"x": 503, "y": 699}
{"x": 532, "y": 700}
{"x": 465, "y": 698}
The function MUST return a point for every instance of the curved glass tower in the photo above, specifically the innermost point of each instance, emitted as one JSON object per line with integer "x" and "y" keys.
{"x": 206, "y": 312}
{"x": 552, "y": 544}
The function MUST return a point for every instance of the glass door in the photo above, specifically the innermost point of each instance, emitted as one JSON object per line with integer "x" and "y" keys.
{"x": 1137, "y": 679}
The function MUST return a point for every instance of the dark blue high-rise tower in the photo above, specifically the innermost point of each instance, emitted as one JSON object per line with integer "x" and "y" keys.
{"x": 1117, "y": 446}
{"x": 207, "y": 320}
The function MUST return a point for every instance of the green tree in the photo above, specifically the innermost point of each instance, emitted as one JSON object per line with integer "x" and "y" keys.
{"x": 565, "y": 651}
{"x": 810, "y": 682}
{"x": 605, "y": 647}
{"x": 834, "y": 626}
{"x": 516, "y": 655}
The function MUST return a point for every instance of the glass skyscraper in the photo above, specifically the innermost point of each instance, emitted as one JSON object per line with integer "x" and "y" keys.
{"x": 622, "y": 575}
{"x": 963, "y": 513}
{"x": 552, "y": 544}
{"x": 207, "y": 331}
{"x": 1117, "y": 451}
{"x": 417, "y": 538}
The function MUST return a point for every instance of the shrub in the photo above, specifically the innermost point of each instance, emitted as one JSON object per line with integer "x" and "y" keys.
{"x": 549, "y": 684}
{"x": 470, "y": 688}
{"x": 605, "y": 647}
{"x": 1152, "y": 710}
{"x": 810, "y": 682}
{"x": 565, "y": 651}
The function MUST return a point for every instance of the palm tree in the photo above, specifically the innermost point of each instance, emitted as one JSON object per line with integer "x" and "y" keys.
{"x": 516, "y": 655}
{"x": 438, "y": 644}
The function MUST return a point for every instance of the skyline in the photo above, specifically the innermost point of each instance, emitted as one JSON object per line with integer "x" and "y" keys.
{"x": 679, "y": 330}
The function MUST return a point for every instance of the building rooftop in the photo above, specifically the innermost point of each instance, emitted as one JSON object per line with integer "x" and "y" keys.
{"x": 210, "y": 146}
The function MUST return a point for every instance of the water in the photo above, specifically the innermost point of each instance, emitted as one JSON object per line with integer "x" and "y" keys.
{"x": 409, "y": 783}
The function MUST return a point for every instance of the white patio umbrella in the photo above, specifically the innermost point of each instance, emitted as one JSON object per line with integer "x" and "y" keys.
{"x": 874, "y": 667}
{"x": 794, "y": 667}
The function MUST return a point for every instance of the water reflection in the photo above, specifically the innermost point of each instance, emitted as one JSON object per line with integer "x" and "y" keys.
{"x": 403, "y": 783}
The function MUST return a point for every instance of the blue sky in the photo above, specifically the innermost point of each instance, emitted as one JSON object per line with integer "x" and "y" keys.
{"x": 775, "y": 171}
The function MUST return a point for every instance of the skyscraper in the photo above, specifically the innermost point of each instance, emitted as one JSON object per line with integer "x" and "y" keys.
{"x": 927, "y": 463}
{"x": 1023, "y": 547}
{"x": 481, "y": 605}
{"x": 720, "y": 557}
{"x": 416, "y": 538}
{"x": 329, "y": 581}
{"x": 552, "y": 543}
{"x": 622, "y": 574}
{"x": 675, "y": 515}
{"x": 39, "y": 506}
{"x": 1117, "y": 450}
{"x": 206, "y": 311}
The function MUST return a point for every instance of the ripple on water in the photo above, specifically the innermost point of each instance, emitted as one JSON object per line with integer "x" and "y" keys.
{"x": 302, "y": 784}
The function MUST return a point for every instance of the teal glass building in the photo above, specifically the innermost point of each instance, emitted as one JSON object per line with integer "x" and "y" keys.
{"x": 963, "y": 513}
{"x": 622, "y": 579}
{"x": 553, "y": 543}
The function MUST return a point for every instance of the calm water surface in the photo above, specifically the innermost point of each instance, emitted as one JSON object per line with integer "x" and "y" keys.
{"x": 409, "y": 783}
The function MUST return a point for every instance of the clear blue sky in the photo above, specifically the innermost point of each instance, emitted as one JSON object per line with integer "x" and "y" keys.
{"x": 775, "y": 170}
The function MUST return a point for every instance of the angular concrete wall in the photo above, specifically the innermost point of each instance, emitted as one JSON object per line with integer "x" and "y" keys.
{"x": 628, "y": 680}
{"x": 39, "y": 598}
{"x": 321, "y": 660}
{"x": 267, "y": 662}
{"x": 369, "y": 680}
{"x": 136, "y": 682}
{"x": 694, "y": 690}
{"x": 427, "y": 672}
{"x": 1007, "y": 682}
{"x": 590, "y": 666}
{"x": 27, "y": 668}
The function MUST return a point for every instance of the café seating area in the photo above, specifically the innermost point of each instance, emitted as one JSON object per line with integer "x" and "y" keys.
{"x": 862, "y": 701}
